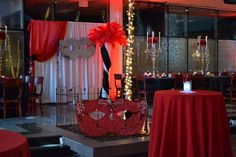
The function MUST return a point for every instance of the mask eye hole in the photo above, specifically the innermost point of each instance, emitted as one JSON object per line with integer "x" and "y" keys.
{"x": 124, "y": 114}
{"x": 97, "y": 115}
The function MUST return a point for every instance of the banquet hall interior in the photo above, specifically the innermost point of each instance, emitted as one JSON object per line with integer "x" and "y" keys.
{"x": 117, "y": 78}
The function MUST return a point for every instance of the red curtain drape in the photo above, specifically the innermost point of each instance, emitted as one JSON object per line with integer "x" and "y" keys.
{"x": 44, "y": 38}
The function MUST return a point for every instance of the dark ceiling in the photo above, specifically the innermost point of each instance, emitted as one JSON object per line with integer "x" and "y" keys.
{"x": 64, "y": 9}
{"x": 97, "y": 9}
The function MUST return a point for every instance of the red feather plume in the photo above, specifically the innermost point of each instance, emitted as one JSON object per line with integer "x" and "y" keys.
{"x": 111, "y": 33}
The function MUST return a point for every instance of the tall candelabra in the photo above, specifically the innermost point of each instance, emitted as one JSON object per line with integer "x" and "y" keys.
{"x": 151, "y": 51}
{"x": 202, "y": 53}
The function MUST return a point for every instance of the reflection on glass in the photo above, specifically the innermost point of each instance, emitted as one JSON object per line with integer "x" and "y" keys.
{"x": 142, "y": 63}
{"x": 95, "y": 12}
{"x": 226, "y": 25}
{"x": 182, "y": 26}
{"x": 148, "y": 17}
{"x": 177, "y": 21}
{"x": 65, "y": 10}
{"x": 11, "y": 14}
{"x": 201, "y": 21}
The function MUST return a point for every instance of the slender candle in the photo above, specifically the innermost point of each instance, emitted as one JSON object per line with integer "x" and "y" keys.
{"x": 199, "y": 39}
{"x": 206, "y": 40}
{"x": 147, "y": 40}
{"x": 159, "y": 40}
{"x": 152, "y": 38}
{"x": 6, "y": 36}
{"x": 5, "y": 30}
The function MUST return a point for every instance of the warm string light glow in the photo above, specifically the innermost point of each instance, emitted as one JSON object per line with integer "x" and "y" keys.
{"x": 2, "y": 48}
{"x": 129, "y": 51}
{"x": 14, "y": 73}
{"x": 202, "y": 53}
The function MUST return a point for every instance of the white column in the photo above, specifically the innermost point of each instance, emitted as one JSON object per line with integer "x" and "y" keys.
{"x": 116, "y": 15}
{"x": 116, "y": 11}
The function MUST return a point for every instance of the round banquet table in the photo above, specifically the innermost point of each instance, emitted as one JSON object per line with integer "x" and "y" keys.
{"x": 189, "y": 125}
{"x": 13, "y": 144}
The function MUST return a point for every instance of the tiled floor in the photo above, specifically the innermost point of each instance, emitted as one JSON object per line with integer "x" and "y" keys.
{"x": 28, "y": 127}
{"x": 50, "y": 112}
{"x": 37, "y": 126}
{"x": 231, "y": 112}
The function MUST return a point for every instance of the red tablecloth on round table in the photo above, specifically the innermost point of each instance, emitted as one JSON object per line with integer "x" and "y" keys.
{"x": 189, "y": 125}
{"x": 13, "y": 144}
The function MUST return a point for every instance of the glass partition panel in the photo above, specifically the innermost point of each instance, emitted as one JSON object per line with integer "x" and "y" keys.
{"x": 143, "y": 63}
{"x": 64, "y": 10}
{"x": 227, "y": 25}
{"x": 11, "y": 54}
{"x": 161, "y": 62}
{"x": 227, "y": 55}
{"x": 182, "y": 25}
{"x": 177, "y": 54}
{"x": 96, "y": 11}
{"x": 11, "y": 14}
{"x": 202, "y": 22}
{"x": 148, "y": 17}
{"x": 177, "y": 21}
{"x": 140, "y": 61}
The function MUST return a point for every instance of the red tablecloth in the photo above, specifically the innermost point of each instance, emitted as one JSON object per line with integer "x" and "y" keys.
{"x": 13, "y": 145}
{"x": 189, "y": 125}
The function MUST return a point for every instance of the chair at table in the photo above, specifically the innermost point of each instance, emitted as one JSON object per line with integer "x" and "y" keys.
{"x": 118, "y": 85}
{"x": 25, "y": 79}
{"x": 35, "y": 93}
{"x": 143, "y": 93}
{"x": 179, "y": 81}
{"x": 231, "y": 90}
{"x": 145, "y": 90}
{"x": 199, "y": 82}
{"x": 225, "y": 73}
{"x": 141, "y": 87}
{"x": 11, "y": 96}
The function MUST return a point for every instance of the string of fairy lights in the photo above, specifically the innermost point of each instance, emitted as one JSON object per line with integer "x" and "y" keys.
{"x": 129, "y": 50}
{"x": 6, "y": 51}
{"x": 14, "y": 72}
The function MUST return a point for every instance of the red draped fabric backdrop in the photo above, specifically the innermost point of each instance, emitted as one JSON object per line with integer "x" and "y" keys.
{"x": 84, "y": 73}
{"x": 44, "y": 38}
